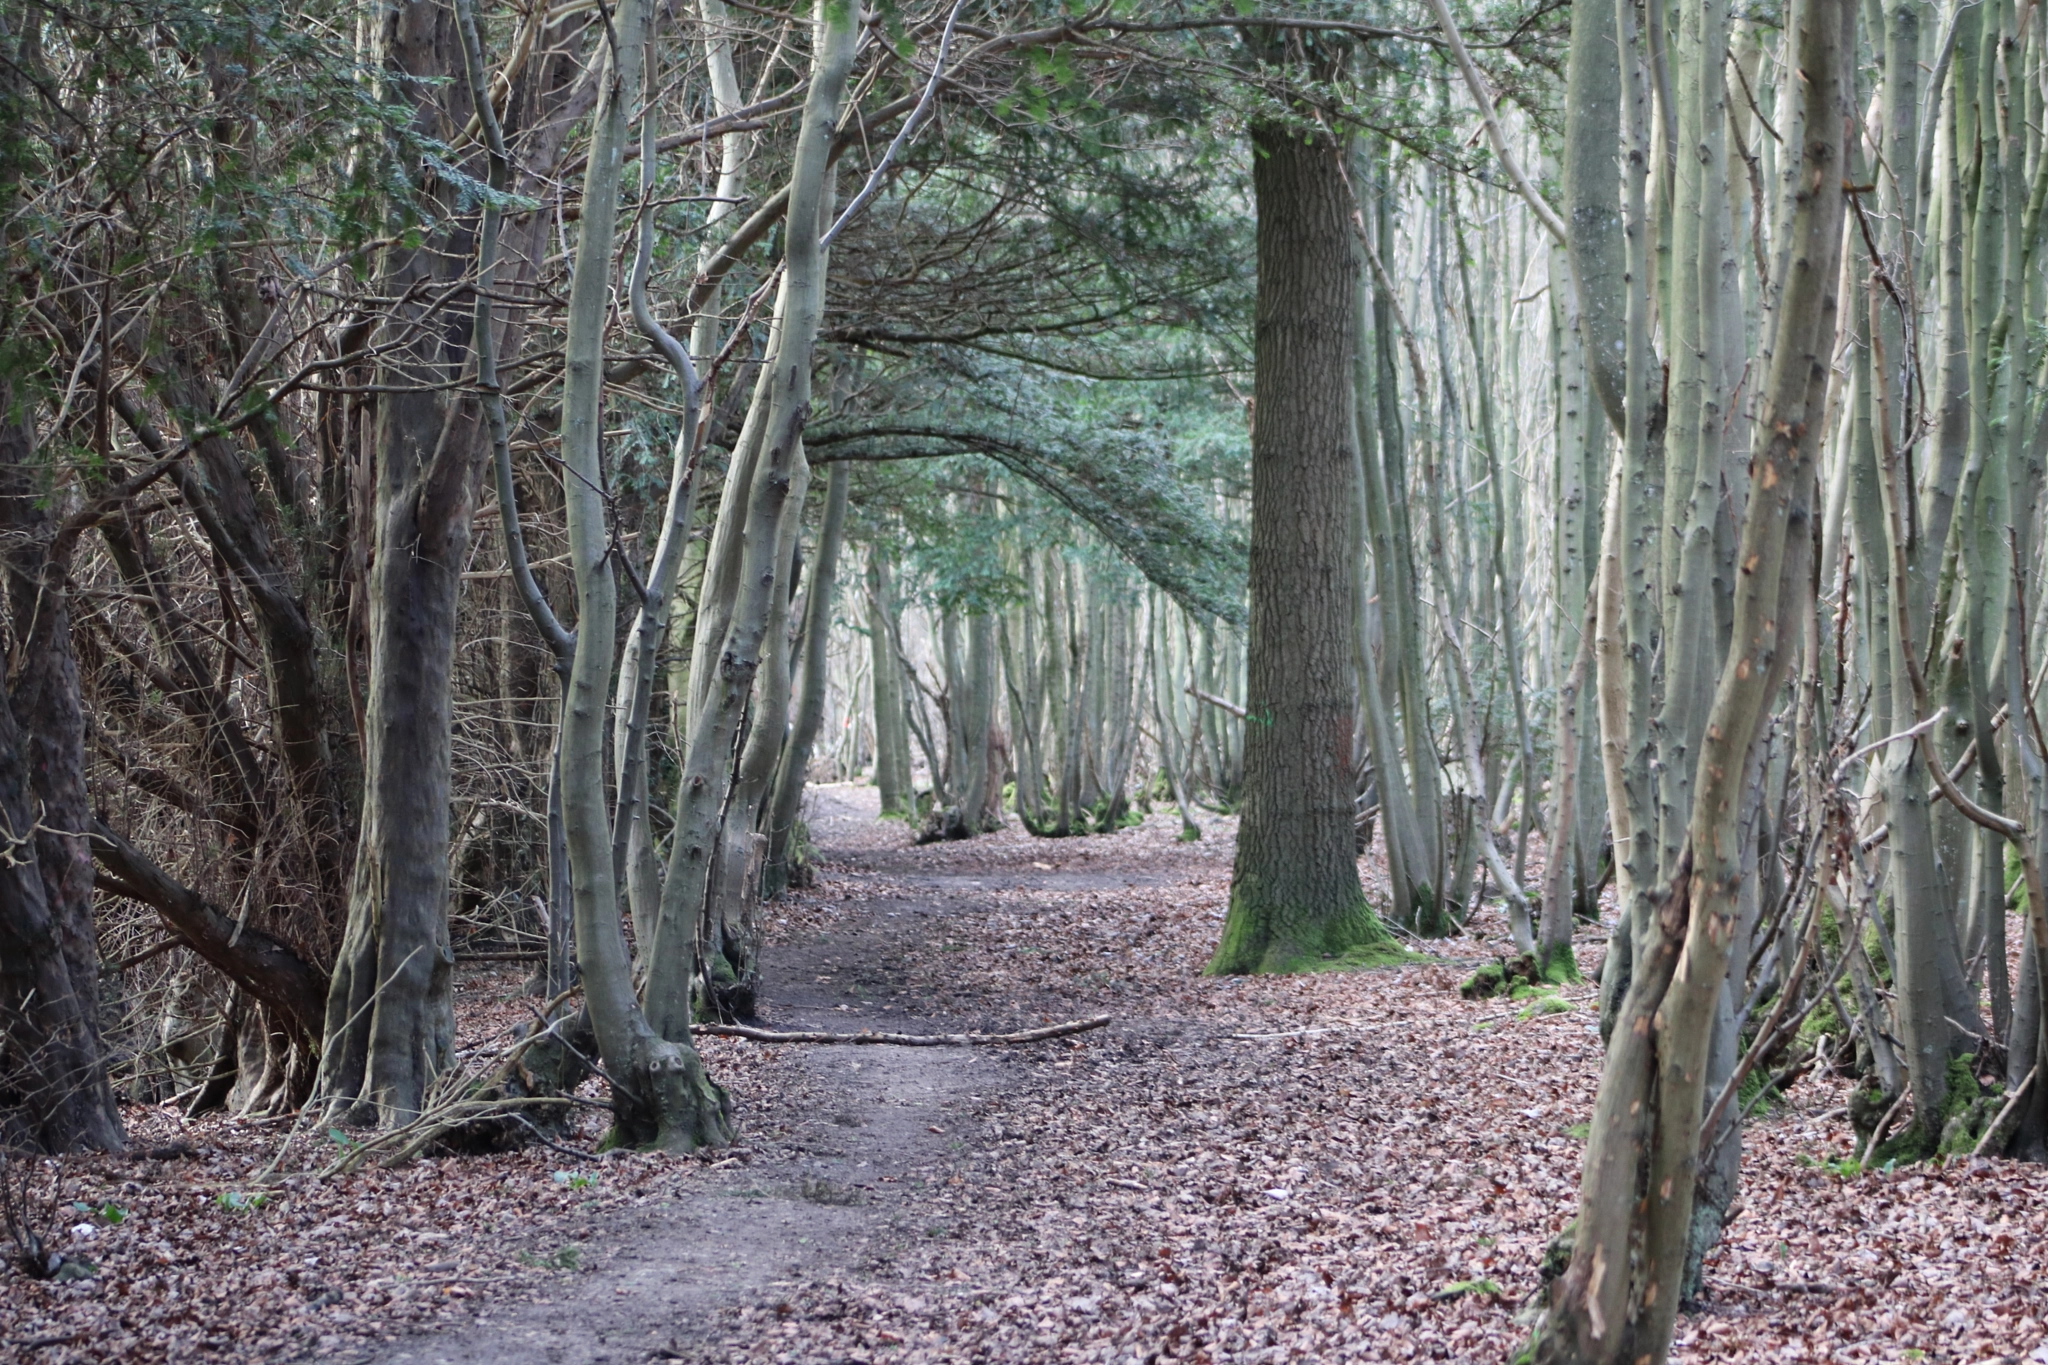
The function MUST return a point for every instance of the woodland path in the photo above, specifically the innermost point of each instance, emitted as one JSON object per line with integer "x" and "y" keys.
{"x": 877, "y": 1138}
{"x": 1340, "y": 1166}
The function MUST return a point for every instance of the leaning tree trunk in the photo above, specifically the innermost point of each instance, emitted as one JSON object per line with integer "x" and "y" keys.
{"x": 729, "y": 936}
{"x": 1295, "y": 894}
{"x": 633, "y": 826}
{"x": 1619, "y": 1298}
{"x": 730, "y": 643}
{"x": 1383, "y": 456}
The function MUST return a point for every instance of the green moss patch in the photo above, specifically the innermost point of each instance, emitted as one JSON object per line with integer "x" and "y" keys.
{"x": 1367, "y": 956}
{"x": 1518, "y": 977}
{"x": 1561, "y": 966}
{"x": 1273, "y": 939}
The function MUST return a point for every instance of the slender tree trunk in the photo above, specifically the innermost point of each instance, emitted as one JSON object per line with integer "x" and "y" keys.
{"x": 1386, "y": 474}
{"x": 795, "y": 762}
{"x": 1554, "y": 931}
{"x": 633, "y": 834}
{"x": 973, "y": 719}
{"x": 892, "y": 726}
{"x": 1409, "y": 859}
{"x": 730, "y": 645}
{"x": 661, "y": 1095}
{"x": 1158, "y": 656}
{"x": 1619, "y": 1298}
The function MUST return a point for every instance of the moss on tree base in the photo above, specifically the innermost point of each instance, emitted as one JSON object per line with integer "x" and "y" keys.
{"x": 1268, "y": 940}
{"x": 1561, "y": 966}
{"x": 1507, "y": 976}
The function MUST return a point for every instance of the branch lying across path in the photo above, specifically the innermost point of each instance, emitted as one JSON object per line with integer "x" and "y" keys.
{"x": 1035, "y": 1035}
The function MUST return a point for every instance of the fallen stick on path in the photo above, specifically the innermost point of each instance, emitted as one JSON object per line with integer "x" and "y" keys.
{"x": 1036, "y": 1035}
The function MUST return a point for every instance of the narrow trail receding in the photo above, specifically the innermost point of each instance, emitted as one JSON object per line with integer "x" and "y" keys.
{"x": 880, "y": 1130}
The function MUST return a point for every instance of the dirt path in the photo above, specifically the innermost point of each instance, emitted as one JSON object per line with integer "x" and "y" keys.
{"x": 657, "y": 1284}
{"x": 878, "y": 1132}
{"x": 1337, "y": 1166}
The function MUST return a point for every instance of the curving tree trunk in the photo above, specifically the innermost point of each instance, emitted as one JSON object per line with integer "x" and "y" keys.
{"x": 745, "y": 568}
{"x": 661, "y": 1096}
{"x": 1618, "y": 1299}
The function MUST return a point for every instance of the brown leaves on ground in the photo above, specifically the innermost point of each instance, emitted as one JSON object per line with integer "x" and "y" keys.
{"x": 1340, "y": 1166}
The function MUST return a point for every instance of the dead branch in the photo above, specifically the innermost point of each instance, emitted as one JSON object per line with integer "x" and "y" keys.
{"x": 1036, "y": 1035}
{"x": 1219, "y": 703}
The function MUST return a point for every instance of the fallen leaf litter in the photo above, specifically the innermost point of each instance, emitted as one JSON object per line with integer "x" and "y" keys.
{"x": 1338, "y": 1166}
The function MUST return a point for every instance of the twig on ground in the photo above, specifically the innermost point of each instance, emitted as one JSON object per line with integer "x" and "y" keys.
{"x": 1036, "y": 1035}
{"x": 1993, "y": 1135}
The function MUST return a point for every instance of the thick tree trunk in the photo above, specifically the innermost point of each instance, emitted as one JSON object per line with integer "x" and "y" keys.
{"x": 1295, "y": 894}
{"x": 390, "y": 1012}
{"x": 54, "y": 1093}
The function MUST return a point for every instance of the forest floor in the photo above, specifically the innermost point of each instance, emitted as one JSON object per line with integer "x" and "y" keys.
{"x": 1335, "y": 1166}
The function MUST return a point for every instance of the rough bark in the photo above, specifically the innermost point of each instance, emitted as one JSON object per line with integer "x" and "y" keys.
{"x": 54, "y": 1093}
{"x": 1295, "y": 894}
{"x": 391, "y": 1022}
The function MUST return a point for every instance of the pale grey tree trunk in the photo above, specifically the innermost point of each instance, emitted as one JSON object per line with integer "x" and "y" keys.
{"x": 1619, "y": 1298}
{"x": 794, "y": 763}
{"x": 892, "y": 727}
{"x": 661, "y": 1095}
{"x": 731, "y": 640}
